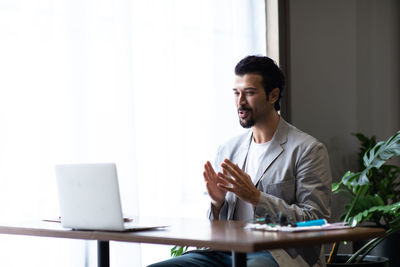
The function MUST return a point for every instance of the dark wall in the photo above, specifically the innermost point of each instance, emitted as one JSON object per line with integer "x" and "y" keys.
{"x": 345, "y": 74}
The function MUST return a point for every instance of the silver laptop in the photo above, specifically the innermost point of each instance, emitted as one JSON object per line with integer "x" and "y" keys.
{"x": 89, "y": 198}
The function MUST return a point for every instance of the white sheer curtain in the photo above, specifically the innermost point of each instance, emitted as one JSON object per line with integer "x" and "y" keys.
{"x": 145, "y": 84}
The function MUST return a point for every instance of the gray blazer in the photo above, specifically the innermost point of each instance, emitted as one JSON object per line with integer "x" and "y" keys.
{"x": 294, "y": 179}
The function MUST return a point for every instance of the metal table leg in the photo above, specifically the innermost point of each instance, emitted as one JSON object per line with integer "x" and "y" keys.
{"x": 103, "y": 253}
{"x": 238, "y": 259}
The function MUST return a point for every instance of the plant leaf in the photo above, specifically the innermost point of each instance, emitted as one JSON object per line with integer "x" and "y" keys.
{"x": 373, "y": 158}
{"x": 335, "y": 186}
{"x": 392, "y": 210}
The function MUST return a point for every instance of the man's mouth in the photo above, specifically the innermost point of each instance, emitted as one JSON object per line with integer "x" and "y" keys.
{"x": 243, "y": 112}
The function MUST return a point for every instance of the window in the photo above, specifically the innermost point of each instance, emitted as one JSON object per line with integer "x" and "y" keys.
{"x": 145, "y": 84}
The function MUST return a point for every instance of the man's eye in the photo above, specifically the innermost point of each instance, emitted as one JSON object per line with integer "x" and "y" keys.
{"x": 250, "y": 93}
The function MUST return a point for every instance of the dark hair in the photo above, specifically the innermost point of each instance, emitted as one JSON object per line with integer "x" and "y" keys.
{"x": 272, "y": 76}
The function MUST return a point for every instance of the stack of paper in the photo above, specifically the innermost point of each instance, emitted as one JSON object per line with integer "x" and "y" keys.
{"x": 271, "y": 227}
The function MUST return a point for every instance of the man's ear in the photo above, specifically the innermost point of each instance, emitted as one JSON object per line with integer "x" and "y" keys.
{"x": 273, "y": 95}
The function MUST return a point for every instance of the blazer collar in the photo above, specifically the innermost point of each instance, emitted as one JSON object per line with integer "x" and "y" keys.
{"x": 274, "y": 150}
{"x": 241, "y": 153}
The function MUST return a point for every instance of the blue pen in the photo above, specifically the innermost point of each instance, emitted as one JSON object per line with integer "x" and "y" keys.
{"x": 312, "y": 223}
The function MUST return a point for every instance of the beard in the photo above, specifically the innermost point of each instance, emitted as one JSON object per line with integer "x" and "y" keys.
{"x": 247, "y": 122}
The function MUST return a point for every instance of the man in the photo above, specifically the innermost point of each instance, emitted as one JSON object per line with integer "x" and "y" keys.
{"x": 272, "y": 170}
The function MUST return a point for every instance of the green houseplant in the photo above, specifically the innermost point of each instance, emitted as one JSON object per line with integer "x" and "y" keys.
{"x": 178, "y": 250}
{"x": 373, "y": 191}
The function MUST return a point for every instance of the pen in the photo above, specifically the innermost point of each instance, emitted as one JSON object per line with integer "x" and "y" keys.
{"x": 311, "y": 223}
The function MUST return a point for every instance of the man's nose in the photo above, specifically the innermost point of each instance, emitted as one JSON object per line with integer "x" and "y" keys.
{"x": 241, "y": 99}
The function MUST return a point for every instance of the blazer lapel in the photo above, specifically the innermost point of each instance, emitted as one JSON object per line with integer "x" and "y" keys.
{"x": 274, "y": 150}
{"x": 241, "y": 154}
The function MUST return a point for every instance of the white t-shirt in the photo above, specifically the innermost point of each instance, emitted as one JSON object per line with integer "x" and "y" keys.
{"x": 245, "y": 211}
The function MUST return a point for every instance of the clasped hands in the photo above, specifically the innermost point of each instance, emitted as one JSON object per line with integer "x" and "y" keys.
{"x": 232, "y": 179}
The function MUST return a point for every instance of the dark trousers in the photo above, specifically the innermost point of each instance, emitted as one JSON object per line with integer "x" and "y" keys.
{"x": 208, "y": 258}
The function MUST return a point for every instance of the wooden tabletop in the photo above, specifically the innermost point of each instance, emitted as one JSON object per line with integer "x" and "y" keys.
{"x": 219, "y": 235}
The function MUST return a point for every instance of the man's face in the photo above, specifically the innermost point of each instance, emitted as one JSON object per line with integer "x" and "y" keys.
{"x": 251, "y": 100}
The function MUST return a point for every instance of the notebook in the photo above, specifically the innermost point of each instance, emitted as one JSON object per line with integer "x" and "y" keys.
{"x": 89, "y": 198}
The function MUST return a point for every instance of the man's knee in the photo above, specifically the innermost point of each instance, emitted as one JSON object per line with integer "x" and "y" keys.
{"x": 168, "y": 263}
{"x": 261, "y": 262}
{"x": 182, "y": 261}
{"x": 197, "y": 259}
{"x": 261, "y": 259}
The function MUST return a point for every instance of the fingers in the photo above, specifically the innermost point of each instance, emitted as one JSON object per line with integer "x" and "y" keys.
{"x": 206, "y": 175}
{"x": 206, "y": 179}
{"x": 226, "y": 179}
{"x": 225, "y": 184}
{"x": 209, "y": 172}
{"x": 211, "y": 169}
{"x": 232, "y": 169}
{"x": 231, "y": 175}
{"x": 226, "y": 187}
{"x": 222, "y": 185}
{"x": 233, "y": 166}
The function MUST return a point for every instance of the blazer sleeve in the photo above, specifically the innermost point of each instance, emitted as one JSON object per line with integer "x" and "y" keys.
{"x": 222, "y": 212}
{"x": 312, "y": 188}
